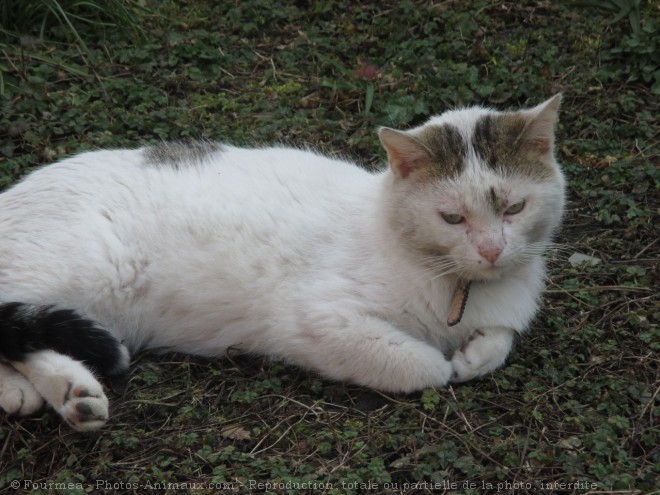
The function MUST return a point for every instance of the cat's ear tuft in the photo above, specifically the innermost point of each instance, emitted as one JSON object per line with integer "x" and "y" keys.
{"x": 405, "y": 153}
{"x": 540, "y": 133}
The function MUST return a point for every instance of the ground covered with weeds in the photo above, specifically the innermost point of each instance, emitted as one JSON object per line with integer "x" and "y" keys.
{"x": 577, "y": 408}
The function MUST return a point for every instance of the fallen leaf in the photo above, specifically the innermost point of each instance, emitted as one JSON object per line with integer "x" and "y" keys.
{"x": 235, "y": 432}
{"x": 578, "y": 259}
{"x": 569, "y": 443}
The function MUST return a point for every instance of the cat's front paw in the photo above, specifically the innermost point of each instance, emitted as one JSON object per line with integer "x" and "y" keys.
{"x": 17, "y": 395}
{"x": 485, "y": 351}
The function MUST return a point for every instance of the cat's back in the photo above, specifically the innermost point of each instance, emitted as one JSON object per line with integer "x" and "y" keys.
{"x": 201, "y": 199}
{"x": 183, "y": 174}
{"x": 291, "y": 173}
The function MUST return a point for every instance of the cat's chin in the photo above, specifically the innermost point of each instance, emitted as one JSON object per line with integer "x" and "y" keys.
{"x": 484, "y": 274}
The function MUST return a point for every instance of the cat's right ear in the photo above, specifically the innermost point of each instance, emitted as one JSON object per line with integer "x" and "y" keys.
{"x": 405, "y": 153}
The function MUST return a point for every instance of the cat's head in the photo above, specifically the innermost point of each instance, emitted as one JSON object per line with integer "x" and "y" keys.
{"x": 476, "y": 191}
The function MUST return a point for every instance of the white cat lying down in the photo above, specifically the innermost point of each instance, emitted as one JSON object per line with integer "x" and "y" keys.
{"x": 200, "y": 247}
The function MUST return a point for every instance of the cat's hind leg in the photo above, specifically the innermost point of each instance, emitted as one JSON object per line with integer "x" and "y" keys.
{"x": 17, "y": 394}
{"x": 26, "y": 328}
{"x": 55, "y": 350}
{"x": 485, "y": 351}
{"x": 68, "y": 386}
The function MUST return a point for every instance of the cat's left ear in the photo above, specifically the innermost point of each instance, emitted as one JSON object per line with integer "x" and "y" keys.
{"x": 405, "y": 153}
{"x": 540, "y": 132}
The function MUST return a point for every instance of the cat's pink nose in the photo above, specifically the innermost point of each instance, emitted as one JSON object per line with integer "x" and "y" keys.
{"x": 491, "y": 253}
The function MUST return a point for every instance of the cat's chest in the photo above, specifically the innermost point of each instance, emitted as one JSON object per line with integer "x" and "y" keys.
{"x": 427, "y": 313}
{"x": 421, "y": 310}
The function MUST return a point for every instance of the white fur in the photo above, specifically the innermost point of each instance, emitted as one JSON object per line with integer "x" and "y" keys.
{"x": 273, "y": 251}
{"x": 17, "y": 394}
{"x": 68, "y": 387}
{"x": 485, "y": 352}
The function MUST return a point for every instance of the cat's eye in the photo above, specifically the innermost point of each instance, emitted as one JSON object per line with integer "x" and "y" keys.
{"x": 453, "y": 218}
{"x": 515, "y": 208}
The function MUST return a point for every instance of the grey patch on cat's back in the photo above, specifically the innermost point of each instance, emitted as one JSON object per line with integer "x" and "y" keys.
{"x": 447, "y": 147}
{"x": 499, "y": 141}
{"x": 180, "y": 154}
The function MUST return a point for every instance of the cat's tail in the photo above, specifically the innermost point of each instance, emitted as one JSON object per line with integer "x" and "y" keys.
{"x": 26, "y": 328}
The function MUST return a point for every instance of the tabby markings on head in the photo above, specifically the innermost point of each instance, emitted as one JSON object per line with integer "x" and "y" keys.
{"x": 501, "y": 141}
{"x": 494, "y": 200}
{"x": 447, "y": 150}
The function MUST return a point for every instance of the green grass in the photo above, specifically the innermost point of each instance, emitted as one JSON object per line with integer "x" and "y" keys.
{"x": 43, "y": 17}
{"x": 577, "y": 404}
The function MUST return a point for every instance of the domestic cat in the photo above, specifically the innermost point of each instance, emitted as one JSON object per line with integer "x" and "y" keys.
{"x": 412, "y": 277}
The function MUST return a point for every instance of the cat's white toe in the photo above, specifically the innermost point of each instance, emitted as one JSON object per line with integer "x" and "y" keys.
{"x": 85, "y": 407}
{"x": 464, "y": 368}
{"x": 17, "y": 395}
{"x": 20, "y": 401}
{"x": 486, "y": 351}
